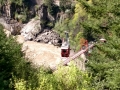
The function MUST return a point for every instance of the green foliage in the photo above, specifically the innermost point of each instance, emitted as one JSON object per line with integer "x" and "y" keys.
{"x": 94, "y": 19}
{"x": 10, "y": 57}
{"x": 73, "y": 26}
{"x": 21, "y": 17}
{"x": 65, "y": 4}
{"x": 52, "y": 8}
{"x": 60, "y": 27}
{"x": 103, "y": 21}
{"x": 50, "y": 4}
{"x": 19, "y": 9}
{"x": 100, "y": 16}
{"x": 18, "y": 2}
{"x": 72, "y": 79}
{"x": 12, "y": 63}
{"x": 2, "y": 2}
{"x": 65, "y": 78}
{"x": 104, "y": 63}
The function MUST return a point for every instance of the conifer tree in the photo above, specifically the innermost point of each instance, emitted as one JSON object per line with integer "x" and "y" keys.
{"x": 11, "y": 60}
{"x": 103, "y": 21}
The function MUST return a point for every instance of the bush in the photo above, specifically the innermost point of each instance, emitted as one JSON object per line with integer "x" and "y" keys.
{"x": 10, "y": 57}
{"x": 65, "y": 78}
{"x": 12, "y": 62}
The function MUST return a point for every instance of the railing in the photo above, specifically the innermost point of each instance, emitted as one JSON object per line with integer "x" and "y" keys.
{"x": 65, "y": 62}
{"x": 77, "y": 54}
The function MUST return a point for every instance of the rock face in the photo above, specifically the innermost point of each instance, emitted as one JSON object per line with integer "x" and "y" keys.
{"x": 45, "y": 17}
{"x": 37, "y": 29}
{"x": 16, "y": 28}
{"x": 31, "y": 29}
{"x": 6, "y": 26}
{"x": 32, "y": 32}
{"x": 12, "y": 25}
{"x": 49, "y": 36}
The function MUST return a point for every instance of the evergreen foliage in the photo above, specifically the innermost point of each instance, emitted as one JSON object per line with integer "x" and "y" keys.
{"x": 104, "y": 64}
{"x": 103, "y": 21}
{"x": 12, "y": 63}
{"x": 65, "y": 4}
{"x": 10, "y": 56}
{"x": 100, "y": 16}
{"x": 19, "y": 9}
{"x": 95, "y": 19}
{"x": 50, "y": 5}
{"x": 17, "y": 2}
{"x": 65, "y": 78}
{"x": 52, "y": 8}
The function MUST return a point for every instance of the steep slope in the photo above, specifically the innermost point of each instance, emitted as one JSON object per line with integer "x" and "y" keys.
{"x": 40, "y": 53}
{"x": 47, "y": 55}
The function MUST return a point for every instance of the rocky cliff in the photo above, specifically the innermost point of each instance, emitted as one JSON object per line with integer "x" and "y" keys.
{"x": 38, "y": 28}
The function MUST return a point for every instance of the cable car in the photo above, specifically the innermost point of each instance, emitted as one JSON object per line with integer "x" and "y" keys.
{"x": 65, "y": 48}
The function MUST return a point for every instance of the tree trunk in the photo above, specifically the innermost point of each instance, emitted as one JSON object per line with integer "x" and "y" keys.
{"x": 7, "y": 9}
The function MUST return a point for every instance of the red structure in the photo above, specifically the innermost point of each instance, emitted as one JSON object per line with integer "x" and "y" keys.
{"x": 84, "y": 45}
{"x": 65, "y": 48}
{"x": 65, "y": 52}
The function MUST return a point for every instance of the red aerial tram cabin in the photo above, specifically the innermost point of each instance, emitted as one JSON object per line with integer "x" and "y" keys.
{"x": 65, "y": 48}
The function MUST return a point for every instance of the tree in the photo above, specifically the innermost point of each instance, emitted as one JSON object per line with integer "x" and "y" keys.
{"x": 103, "y": 21}
{"x": 104, "y": 64}
{"x": 65, "y": 4}
{"x": 100, "y": 16}
{"x": 12, "y": 62}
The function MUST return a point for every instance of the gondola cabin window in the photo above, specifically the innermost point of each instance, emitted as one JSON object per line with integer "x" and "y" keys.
{"x": 65, "y": 52}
